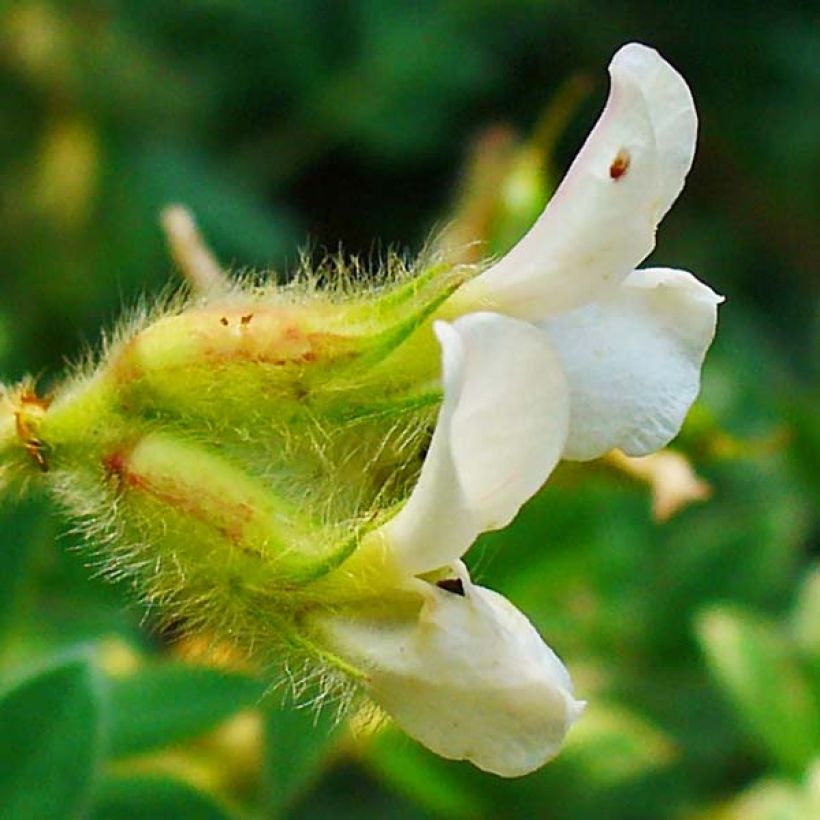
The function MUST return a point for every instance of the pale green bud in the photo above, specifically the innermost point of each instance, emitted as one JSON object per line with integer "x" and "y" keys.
{"x": 239, "y": 447}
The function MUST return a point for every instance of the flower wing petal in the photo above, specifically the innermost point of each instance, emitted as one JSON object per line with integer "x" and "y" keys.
{"x": 468, "y": 676}
{"x": 633, "y": 361}
{"x": 601, "y": 222}
{"x": 500, "y": 432}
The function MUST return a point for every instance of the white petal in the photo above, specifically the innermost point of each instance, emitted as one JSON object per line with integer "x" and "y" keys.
{"x": 633, "y": 361}
{"x": 600, "y": 224}
{"x": 672, "y": 111}
{"x": 501, "y": 430}
{"x": 467, "y": 676}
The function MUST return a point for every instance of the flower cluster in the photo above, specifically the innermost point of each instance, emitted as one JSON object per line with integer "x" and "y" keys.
{"x": 304, "y": 470}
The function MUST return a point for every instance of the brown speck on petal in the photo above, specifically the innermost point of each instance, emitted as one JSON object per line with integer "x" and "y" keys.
{"x": 620, "y": 165}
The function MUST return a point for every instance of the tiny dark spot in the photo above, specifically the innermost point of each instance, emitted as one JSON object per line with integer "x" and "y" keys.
{"x": 425, "y": 447}
{"x": 114, "y": 463}
{"x": 453, "y": 585}
{"x": 171, "y": 631}
{"x": 36, "y": 449}
{"x": 620, "y": 165}
{"x": 246, "y": 319}
{"x": 224, "y": 321}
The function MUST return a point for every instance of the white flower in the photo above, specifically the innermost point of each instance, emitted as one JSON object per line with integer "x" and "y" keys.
{"x": 561, "y": 350}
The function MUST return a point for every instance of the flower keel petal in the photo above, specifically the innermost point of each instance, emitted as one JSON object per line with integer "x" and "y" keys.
{"x": 469, "y": 677}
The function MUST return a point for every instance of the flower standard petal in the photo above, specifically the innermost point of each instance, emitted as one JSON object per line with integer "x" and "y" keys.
{"x": 672, "y": 111}
{"x": 601, "y": 222}
{"x": 468, "y": 676}
{"x": 633, "y": 361}
{"x": 500, "y": 432}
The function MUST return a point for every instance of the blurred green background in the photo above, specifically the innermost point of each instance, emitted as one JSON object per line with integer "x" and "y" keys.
{"x": 371, "y": 125}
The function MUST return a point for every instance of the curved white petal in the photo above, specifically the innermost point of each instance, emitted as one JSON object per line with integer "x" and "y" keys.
{"x": 601, "y": 222}
{"x": 633, "y": 361}
{"x": 672, "y": 111}
{"x": 501, "y": 430}
{"x": 468, "y": 676}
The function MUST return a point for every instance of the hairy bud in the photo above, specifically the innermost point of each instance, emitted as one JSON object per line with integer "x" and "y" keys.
{"x": 230, "y": 450}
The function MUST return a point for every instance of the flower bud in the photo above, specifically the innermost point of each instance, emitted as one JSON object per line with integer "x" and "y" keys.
{"x": 240, "y": 445}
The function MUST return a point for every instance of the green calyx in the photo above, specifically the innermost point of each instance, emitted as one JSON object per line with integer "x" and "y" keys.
{"x": 229, "y": 453}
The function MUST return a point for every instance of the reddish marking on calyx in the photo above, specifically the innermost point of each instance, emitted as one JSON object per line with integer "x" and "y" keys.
{"x": 246, "y": 319}
{"x": 114, "y": 463}
{"x": 116, "y": 466}
{"x": 620, "y": 165}
{"x": 224, "y": 321}
{"x": 125, "y": 366}
{"x": 200, "y": 506}
{"x": 29, "y": 397}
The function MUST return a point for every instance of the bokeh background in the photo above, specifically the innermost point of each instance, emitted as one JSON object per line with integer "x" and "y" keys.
{"x": 371, "y": 125}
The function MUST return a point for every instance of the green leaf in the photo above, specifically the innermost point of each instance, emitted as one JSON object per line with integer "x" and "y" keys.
{"x": 427, "y": 780}
{"x": 768, "y": 799}
{"x": 759, "y": 672}
{"x": 806, "y": 615}
{"x": 232, "y": 214}
{"x": 298, "y": 744}
{"x": 24, "y": 528}
{"x": 805, "y": 623}
{"x": 613, "y": 745}
{"x": 158, "y": 798}
{"x": 50, "y": 729}
{"x": 171, "y": 703}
